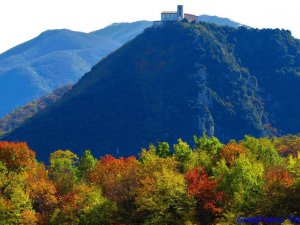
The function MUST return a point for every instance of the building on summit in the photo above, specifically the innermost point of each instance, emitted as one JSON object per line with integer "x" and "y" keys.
{"x": 173, "y": 16}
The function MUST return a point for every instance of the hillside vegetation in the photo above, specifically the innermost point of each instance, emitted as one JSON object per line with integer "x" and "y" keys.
{"x": 207, "y": 183}
{"x": 56, "y": 58}
{"x": 18, "y": 116}
{"x": 175, "y": 81}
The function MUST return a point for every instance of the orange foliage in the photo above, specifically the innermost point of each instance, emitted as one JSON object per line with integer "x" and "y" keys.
{"x": 17, "y": 156}
{"x": 287, "y": 145}
{"x": 278, "y": 176}
{"x": 118, "y": 177}
{"x": 232, "y": 151}
{"x": 28, "y": 217}
{"x": 42, "y": 193}
{"x": 204, "y": 190}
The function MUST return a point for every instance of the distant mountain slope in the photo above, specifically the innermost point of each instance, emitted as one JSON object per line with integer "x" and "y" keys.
{"x": 123, "y": 32}
{"x": 14, "y": 119}
{"x": 58, "y": 57}
{"x": 53, "y": 59}
{"x": 49, "y": 61}
{"x": 176, "y": 81}
{"x": 219, "y": 21}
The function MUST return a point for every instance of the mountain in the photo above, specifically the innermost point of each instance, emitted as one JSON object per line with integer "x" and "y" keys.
{"x": 14, "y": 119}
{"x": 123, "y": 32}
{"x": 58, "y": 57}
{"x": 219, "y": 21}
{"x": 176, "y": 81}
{"x": 55, "y": 58}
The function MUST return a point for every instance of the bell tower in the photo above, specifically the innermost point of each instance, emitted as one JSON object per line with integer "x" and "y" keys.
{"x": 180, "y": 12}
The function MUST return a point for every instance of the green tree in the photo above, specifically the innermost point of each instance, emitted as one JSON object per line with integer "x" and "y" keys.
{"x": 242, "y": 182}
{"x": 162, "y": 199}
{"x": 63, "y": 170}
{"x": 182, "y": 151}
{"x": 86, "y": 163}
{"x": 210, "y": 145}
{"x": 262, "y": 149}
{"x": 164, "y": 150}
{"x": 149, "y": 155}
{"x": 14, "y": 201}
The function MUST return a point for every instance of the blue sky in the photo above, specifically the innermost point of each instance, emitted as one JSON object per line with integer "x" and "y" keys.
{"x": 22, "y": 20}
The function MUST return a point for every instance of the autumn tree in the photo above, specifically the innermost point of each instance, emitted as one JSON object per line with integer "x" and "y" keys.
{"x": 42, "y": 193}
{"x": 232, "y": 151}
{"x": 204, "y": 189}
{"x": 83, "y": 205}
{"x": 119, "y": 179}
{"x": 17, "y": 156}
{"x": 279, "y": 182}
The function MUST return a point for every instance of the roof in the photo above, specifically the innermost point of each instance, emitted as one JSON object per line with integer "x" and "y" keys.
{"x": 169, "y": 12}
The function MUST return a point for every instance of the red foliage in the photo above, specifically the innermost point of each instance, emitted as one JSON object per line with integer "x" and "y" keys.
{"x": 17, "y": 156}
{"x": 204, "y": 190}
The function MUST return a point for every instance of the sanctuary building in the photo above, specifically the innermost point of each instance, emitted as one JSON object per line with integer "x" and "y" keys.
{"x": 173, "y": 16}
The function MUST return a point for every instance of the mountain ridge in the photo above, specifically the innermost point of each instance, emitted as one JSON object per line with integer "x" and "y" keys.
{"x": 72, "y": 52}
{"x": 175, "y": 81}
{"x": 55, "y": 58}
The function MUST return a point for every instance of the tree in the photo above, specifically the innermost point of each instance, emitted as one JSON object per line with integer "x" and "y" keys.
{"x": 16, "y": 156}
{"x": 211, "y": 145}
{"x": 204, "y": 190}
{"x": 119, "y": 180}
{"x": 63, "y": 170}
{"x": 182, "y": 151}
{"x": 232, "y": 151}
{"x": 262, "y": 149}
{"x": 279, "y": 183}
{"x": 42, "y": 193}
{"x": 149, "y": 155}
{"x": 164, "y": 150}
{"x": 14, "y": 201}
{"x": 162, "y": 198}
{"x": 76, "y": 207}
{"x": 242, "y": 183}
{"x": 86, "y": 163}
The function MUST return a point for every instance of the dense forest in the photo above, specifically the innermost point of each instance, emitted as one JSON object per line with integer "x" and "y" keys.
{"x": 206, "y": 183}
{"x": 175, "y": 81}
{"x": 18, "y": 116}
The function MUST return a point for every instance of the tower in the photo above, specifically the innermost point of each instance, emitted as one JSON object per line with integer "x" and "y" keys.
{"x": 180, "y": 12}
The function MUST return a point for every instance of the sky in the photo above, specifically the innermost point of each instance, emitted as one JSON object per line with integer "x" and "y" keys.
{"x": 21, "y": 20}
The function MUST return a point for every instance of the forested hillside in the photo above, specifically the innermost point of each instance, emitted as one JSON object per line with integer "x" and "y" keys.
{"x": 56, "y": 58}
{"x": 207, "y": 182}
{"x": 14, "y": 119}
